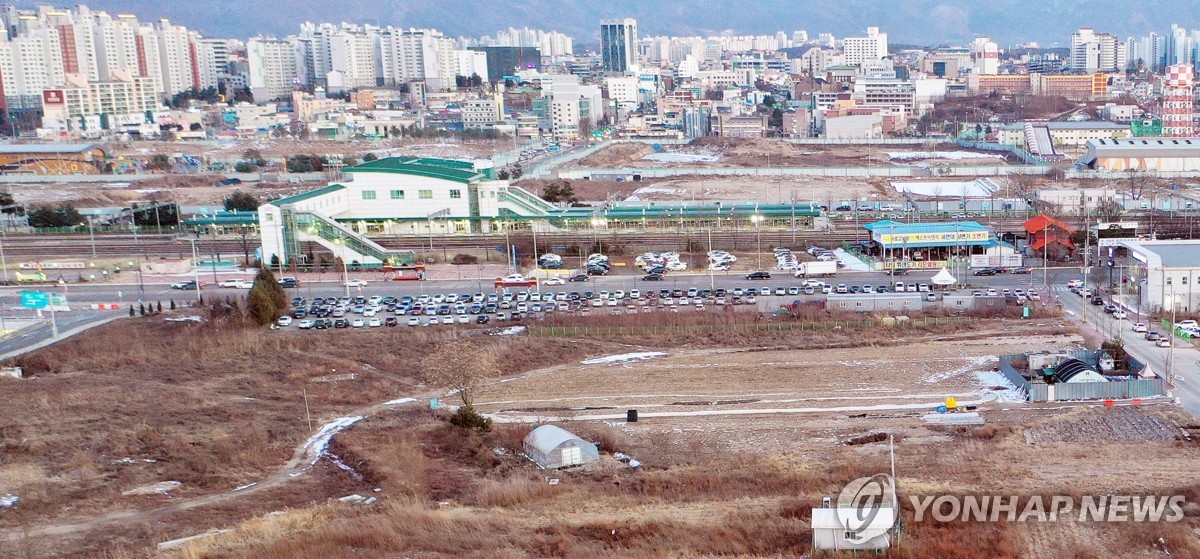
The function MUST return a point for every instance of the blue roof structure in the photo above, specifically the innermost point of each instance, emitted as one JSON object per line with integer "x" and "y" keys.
{"x": 890, "y": 234}
{"x": 897, "y": 228}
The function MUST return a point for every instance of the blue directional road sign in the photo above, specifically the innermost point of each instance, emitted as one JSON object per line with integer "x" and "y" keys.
{"x": 35, "y": 299}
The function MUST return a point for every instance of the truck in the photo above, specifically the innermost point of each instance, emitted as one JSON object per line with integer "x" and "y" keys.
{"x": 813, "y": 269}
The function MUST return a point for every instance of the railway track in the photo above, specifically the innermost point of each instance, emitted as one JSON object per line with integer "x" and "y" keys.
{"x": 120, "y": 245}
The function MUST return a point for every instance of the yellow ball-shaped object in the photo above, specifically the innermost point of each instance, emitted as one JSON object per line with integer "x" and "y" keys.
{"x": 951, "y": 402}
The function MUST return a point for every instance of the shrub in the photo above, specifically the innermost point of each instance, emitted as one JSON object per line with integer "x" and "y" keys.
{"x": 467, "y": 418}
{"x": 464, "y": 259}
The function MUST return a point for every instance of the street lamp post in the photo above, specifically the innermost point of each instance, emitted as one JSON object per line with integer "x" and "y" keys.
{"x": 92, "y": 234}
{"x": 195, "y": 270}
{"x": 757, "y": 220}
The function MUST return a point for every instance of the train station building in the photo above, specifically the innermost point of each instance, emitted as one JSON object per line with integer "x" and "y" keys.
{"x": 897, "y": 245}
{"x": 428, "y": 197}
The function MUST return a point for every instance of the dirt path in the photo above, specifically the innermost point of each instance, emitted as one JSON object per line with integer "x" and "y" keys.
{"x": 304, "y": 457}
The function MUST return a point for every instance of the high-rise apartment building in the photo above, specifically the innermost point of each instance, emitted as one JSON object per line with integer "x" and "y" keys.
{"x": 872, "y": 47}
{"x": 1096, "y": 52}
{"x": 272, "y": 64}
{"x": 618, "y": 44}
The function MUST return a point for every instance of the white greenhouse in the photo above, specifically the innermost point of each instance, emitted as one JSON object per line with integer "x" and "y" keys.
{"x": 554, "y": 447}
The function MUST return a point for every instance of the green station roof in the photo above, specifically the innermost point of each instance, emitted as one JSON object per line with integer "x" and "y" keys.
{"x": 445, "y": 169}
{"x": 307, "y": 195}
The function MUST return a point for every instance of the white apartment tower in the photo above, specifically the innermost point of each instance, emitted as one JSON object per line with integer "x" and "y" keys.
{"x": 419, "y": 55}
{"x": 859, "y": 49}
{"x": 272, "y": 68}
{"x": 1096, "y": 52}
{"x": 353, "y": 55}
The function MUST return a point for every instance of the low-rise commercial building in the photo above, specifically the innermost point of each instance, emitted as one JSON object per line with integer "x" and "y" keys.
{"x": 1164, "y": 275}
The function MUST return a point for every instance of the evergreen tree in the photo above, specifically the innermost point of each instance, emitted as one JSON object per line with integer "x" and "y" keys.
{"x": 267, "y": 300}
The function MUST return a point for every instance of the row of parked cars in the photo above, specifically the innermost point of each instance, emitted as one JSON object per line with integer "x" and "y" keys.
{"x": 991, "y": 271}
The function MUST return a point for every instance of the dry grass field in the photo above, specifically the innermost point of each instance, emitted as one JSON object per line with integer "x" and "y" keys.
{"x": 740, "y": 436}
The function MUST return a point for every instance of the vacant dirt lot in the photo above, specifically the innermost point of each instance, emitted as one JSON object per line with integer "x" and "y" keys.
{"x": 710, "y": 482}
{"x": 739, "y": 152}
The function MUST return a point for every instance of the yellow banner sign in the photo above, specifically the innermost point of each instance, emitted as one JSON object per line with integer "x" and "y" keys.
{"x": 947, "y": 237}
{"x": 913, "y": 265}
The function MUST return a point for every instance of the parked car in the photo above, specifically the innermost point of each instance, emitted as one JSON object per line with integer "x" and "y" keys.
{"x": 1097, "y": 300}
{"x": 1152, "y": 335}
{"x": 1163, "y": 342}
{"x": 284, "y": 321}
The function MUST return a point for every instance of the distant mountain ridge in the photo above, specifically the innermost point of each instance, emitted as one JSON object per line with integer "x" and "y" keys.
{"x": 926, "y": 22}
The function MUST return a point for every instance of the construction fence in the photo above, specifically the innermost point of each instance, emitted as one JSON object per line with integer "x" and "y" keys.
{"x": 1115, "y": 389}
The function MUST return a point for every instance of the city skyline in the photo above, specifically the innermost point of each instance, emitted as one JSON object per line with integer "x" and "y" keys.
{"x": 920, "y": 22}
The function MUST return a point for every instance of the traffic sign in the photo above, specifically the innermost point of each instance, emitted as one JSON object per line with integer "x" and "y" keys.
{"x": 35, "y": 299}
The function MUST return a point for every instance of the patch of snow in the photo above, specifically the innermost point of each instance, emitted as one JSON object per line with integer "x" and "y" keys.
{"x": 357, "y": 499}
{"x": 652, "y": 190}
{"x": 185, "y": 319}
{"x": 398, "y": 402}
{"x": 244, "y": 487}
{"x": 501, "y": 451}
{"x": 973, "y": 364}
{"x": 957, "y": 155}
{"x": 623, "y": 358}
{"x": 675, "y": 157}
{"x": 9, "y": 500}
{"x": 990, "y": 380}
{"x": 162, "y": 487}
{"x": 510, "y": 331}
{"x": 852, "y": 262}
{"x": 318, "y": 442}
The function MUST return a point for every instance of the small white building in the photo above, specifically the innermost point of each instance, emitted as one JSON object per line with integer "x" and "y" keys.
{"x": 830, "y": 532}
{"x": 554, "y": 447}
{"x": 1165, "y": 275}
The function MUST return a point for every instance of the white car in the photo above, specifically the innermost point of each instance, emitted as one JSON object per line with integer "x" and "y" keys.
{"x": 464, "y": 319}
{"x": 1119, "y": 315}
{"x": 284, "y": 321}
{"x": 1163, "y": 342}
{"x": 447, "y": 319}
{"x": 305, "y": 324}
{"x": 1187, "y": 324}
{"x": 375, "y": 322}
{"x": 356, "y": 283}
{"x": 236, "y": 284}
{"x": 357, "y": 323}
{"x": 1139, "y": 327}
{"x": 414, "y": 321}
{"x": 553, "y": 281}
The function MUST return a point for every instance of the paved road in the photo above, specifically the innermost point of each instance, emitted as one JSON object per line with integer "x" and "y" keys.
{"x": 161, "y": 291}
{"x": 67, "y": 322}
{"x": 1182, "y": 359}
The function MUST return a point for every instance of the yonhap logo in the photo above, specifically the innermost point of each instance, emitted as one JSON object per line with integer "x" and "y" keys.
{"x": 866, "y": 508}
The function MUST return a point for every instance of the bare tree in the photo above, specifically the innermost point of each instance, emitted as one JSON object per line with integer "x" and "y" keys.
{"x": 460, "y": 366}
